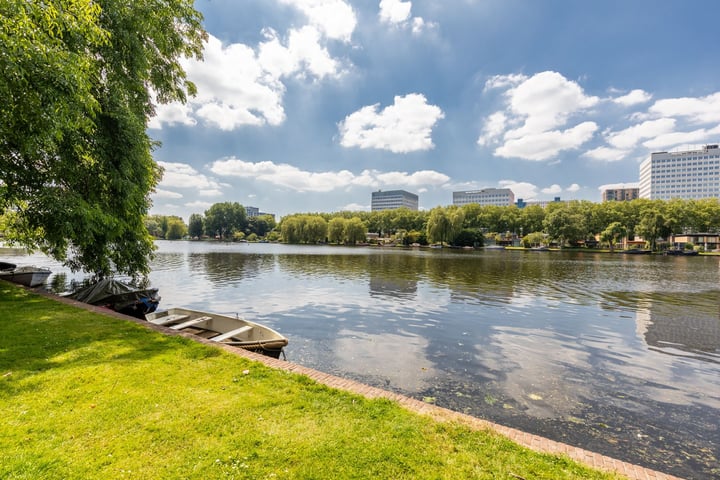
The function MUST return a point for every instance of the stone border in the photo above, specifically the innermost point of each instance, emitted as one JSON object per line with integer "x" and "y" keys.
{"x": 533, "y": 442}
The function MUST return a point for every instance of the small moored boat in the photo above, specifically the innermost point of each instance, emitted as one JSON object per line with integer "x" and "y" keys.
{"x": 220, "y": 328}
{"x": 28, "y": 276}
{"x": 119, "y": 296}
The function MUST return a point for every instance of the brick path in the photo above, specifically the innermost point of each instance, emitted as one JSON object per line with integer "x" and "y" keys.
{"x": 534, "y": 442}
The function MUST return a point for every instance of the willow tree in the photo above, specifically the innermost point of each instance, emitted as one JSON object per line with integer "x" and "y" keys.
{"x": 77, "y": 87}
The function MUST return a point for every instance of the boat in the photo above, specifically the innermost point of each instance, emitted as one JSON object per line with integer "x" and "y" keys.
{"x": 119, "y": 296}
{"x": 636, "y": 251}
{"x": 222, "y": 329}
{"x": 29, "y": 276}
{"x": 540, "y": 248}
{"x": 681, "y": 252}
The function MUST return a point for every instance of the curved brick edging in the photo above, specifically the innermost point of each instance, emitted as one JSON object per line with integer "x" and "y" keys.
{"x": 533, "y": 442}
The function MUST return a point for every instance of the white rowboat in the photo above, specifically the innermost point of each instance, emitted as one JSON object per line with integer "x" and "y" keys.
{"x": 220, "y": 328}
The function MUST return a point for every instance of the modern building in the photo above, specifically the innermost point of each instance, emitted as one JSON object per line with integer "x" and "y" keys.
{"x": 621, "y": 193}
{"x": 393, "y": 199}
{"x": 255, "y": 212}
{"x": 690, "y": 174}
{"x": 502, "y": 197}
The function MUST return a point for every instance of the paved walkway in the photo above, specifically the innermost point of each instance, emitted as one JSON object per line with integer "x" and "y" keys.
{"x": 534, "y": 442}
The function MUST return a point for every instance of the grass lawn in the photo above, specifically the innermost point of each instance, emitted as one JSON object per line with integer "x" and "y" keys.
{"x": 88, "y": 396}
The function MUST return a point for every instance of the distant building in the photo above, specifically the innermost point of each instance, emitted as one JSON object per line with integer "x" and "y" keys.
{"x": 621, "y": 193}
{"x": 690, "y": 174}
{"x": 392, "y": 199}
{"x": 255, "y": 212}
{"x": 501, "y": 197}
{"x": 543, "y": 203}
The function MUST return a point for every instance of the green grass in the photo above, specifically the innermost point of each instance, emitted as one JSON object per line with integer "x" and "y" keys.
{"x": 87, "y": 396}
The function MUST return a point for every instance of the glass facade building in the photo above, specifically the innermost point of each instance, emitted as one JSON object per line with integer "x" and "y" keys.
{"x": 392, "y": 199}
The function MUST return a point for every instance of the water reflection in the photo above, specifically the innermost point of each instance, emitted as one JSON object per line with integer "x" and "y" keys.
{"x": 615, "y": 353}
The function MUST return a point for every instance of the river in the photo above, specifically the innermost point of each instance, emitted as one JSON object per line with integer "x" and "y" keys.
{"x": 614, "y": 353}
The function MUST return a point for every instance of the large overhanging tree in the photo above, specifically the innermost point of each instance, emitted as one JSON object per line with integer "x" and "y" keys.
{"x": 77, "y": 86}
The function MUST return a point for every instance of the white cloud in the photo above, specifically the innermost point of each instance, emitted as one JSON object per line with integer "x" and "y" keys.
{"x": 524, "y": 190}
{"x": 573, "y": 188}
{"x": 614, "y": 186}
{"x": 171, "y": 114}
{"x": 552, "y": 189}
{"x": 494, "y": 127}
{"x": 545, "y": 101}
{"x": 535, "y": 108}
{"x": 240, "y": 85}
{"x": 394, "y": 11}
{"x": 181, "y": 175}
{"x": 547, "y": 144}
{"x": 288, "y": 176}
{"x": 160, "y": 193}
{"x": 355, "y": 207}
{"x": 504, "y": 81}
{"x": 633, "y": 98}
{"x": 334, "y": 18}
{"x": 696, "y": 110}
{"x": 607, "y": 154}
{"x": 630, "y": 137}
{"x": 405, "y": 126}
{"x": 674, "y": 139}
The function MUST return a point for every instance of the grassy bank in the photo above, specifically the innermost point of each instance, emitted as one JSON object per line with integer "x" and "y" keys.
{"x": 86, "y": 396}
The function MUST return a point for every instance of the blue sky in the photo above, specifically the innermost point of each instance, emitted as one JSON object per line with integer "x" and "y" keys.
{"x": 311, "y": 105}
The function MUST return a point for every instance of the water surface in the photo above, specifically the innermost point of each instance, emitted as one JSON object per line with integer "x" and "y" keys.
{"x": 618, "y": 354}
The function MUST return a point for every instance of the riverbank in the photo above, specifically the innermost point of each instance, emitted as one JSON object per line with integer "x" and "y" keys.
{"x": 88, "y": 396}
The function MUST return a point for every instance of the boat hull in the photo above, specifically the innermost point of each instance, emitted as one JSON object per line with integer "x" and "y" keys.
{"x": 222, "y": 329}
{"x": 120, "y": 297}
{"x": 28, "y": 276}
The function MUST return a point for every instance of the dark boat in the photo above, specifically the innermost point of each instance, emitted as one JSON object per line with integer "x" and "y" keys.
{"x": 119, "y": 296}
{"x": 681, "y": 252}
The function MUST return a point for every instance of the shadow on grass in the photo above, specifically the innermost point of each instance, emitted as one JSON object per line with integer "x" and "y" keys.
{"x": 38, "y": 334}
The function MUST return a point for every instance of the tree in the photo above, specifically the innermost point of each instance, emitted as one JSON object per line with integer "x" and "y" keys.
{"x": 176, "y": 229}
{"x": 196, "y": 225}
{"x": 224, "y": 219}
{"x": 445, "y": 224}
{"x": 78, "y": 82}
{"x": 355, "y": 231}
{"x": 614, "y": 232}
{"x": 336, "y": 230}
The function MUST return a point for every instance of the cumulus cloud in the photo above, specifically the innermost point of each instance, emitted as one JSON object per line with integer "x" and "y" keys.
{"x": 631, "y": 136}
{"x": 674, "y": 139}
{"x": 607, "y": 154}
{"x": 160, "y": 193}
{"x": 334, "y": 18}
{"x": 573, "y": 188}
{"x": 394, "y": 11}
{"x": 241, "y": 85}
{"x": 293, "y": 178}
{"x": 181, "y": 175}
{"x": 552, "y": 189}
{"x": 545, "y": 145}
{"x": 406, "y": 126}
{"x": 633, "y": 98}
{"x": 524, "y": 190}
{"x": 535, "y": 108}
{"x": 696, "y": 110}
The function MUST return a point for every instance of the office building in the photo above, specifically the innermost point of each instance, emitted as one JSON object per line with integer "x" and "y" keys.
{"x": 690, "y": 174}
{"x": 502, "y": 197}
{"x": 621, "y": 193}
{"x": 393, "y": 199}
{"x": 541, "y": 203}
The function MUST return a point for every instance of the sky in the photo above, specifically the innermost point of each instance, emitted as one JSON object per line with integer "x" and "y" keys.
{"x": 311, "y": 105}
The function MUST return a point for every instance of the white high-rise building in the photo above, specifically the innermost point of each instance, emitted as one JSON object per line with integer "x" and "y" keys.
{"x": 690, "y": 174}
{"x": 501, "y": 197}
